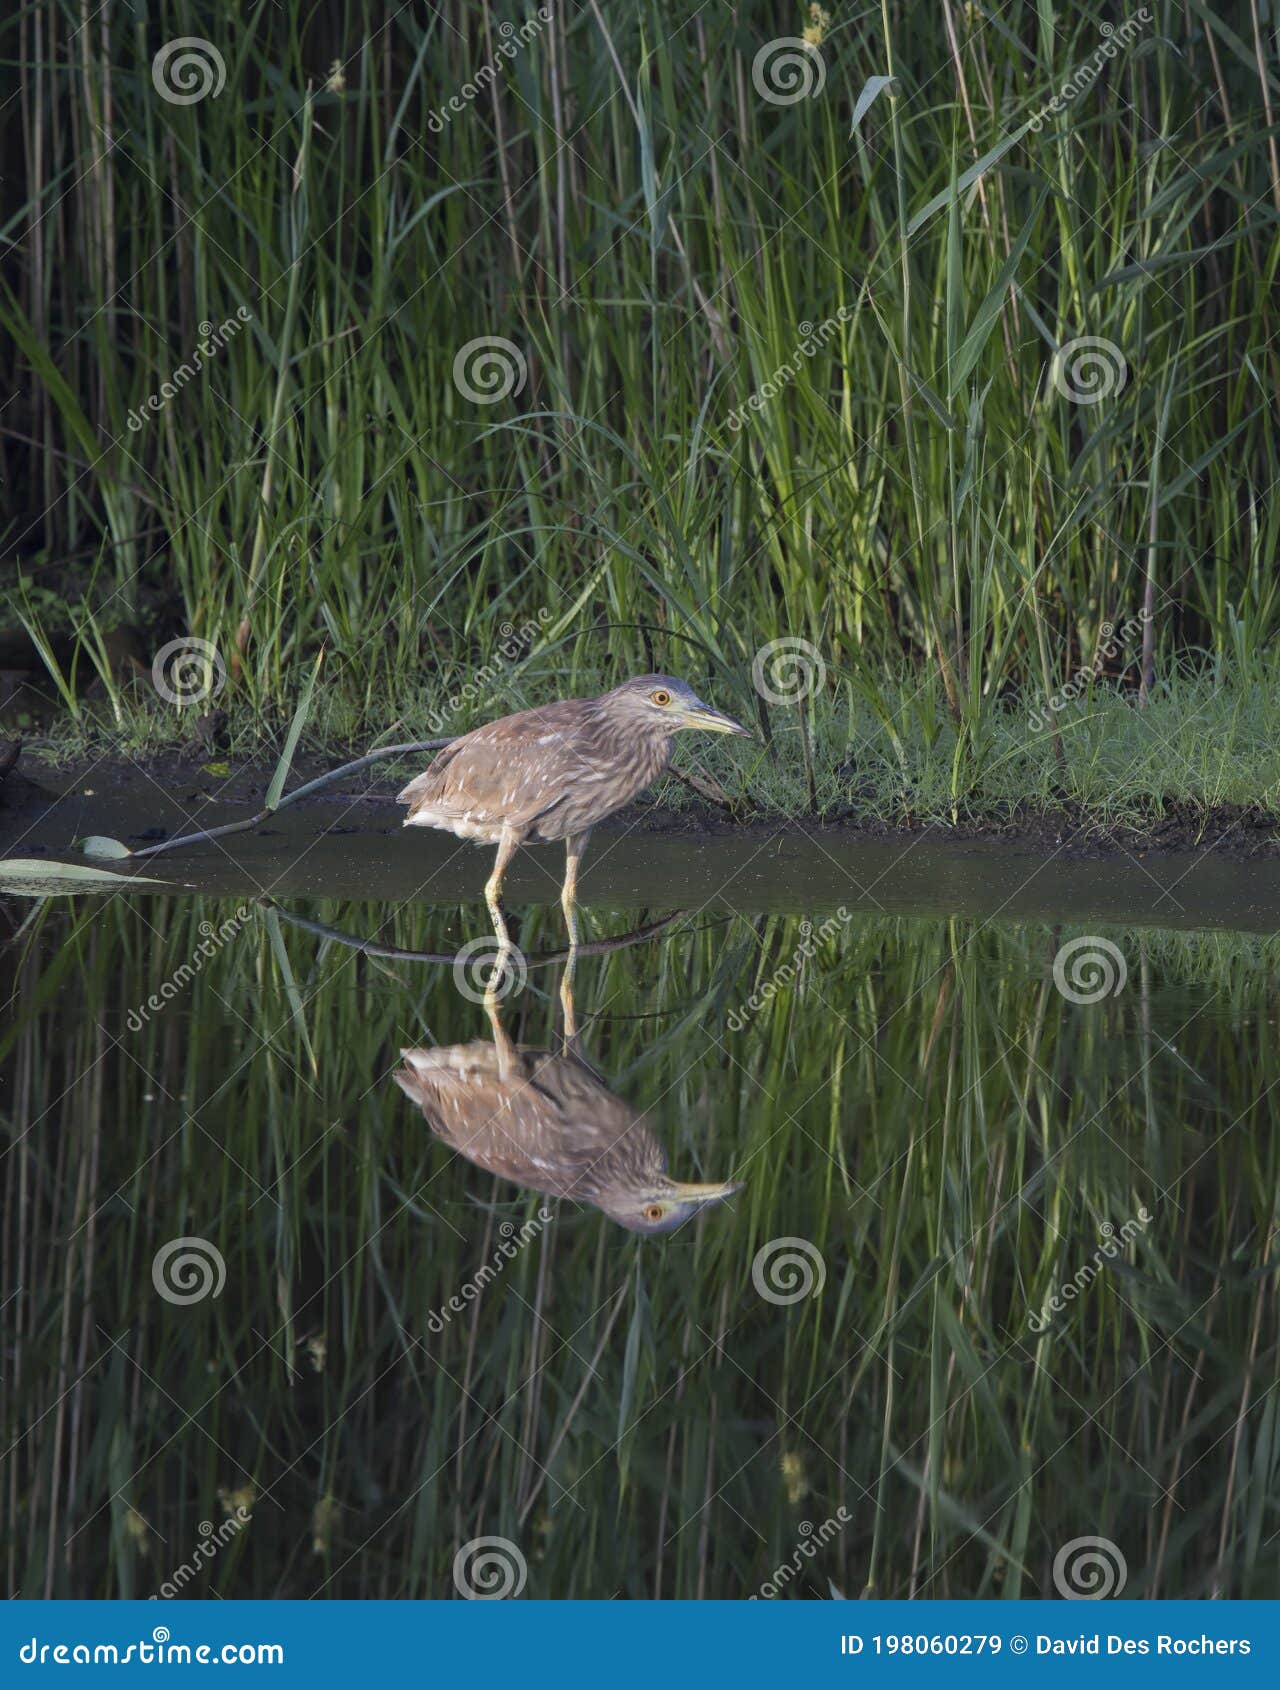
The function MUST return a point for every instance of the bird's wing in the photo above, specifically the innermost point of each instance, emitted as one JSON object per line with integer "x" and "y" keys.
{"x": 549, "y": 1128}
{"x": 510, "y": 770}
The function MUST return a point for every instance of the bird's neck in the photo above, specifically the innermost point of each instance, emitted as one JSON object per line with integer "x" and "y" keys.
{"x": 645, "y": 753}
{"x": 652, "y": 758}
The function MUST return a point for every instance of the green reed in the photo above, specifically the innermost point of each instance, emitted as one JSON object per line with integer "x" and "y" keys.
{"x": 658, "y": 243}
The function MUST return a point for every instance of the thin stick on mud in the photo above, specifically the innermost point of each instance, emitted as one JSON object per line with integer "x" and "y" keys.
{"x": 303, "y": 791}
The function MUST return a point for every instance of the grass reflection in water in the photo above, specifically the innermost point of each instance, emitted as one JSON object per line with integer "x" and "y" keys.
{"x": 890, "y": 1325}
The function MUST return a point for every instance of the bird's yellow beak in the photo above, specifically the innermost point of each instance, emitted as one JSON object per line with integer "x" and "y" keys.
{"x": 712, "y": 721}
{"x": 705, "y": 1193}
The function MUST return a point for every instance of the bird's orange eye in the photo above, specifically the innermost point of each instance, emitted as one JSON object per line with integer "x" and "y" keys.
{"x": 653, "y": 1212}
{"x": 661, "y": 696}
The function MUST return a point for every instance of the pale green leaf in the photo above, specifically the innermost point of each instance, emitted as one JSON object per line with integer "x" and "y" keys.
{"x": 872, "y": 88}
{"x": 29, "y": 877}
{"x": 970, "y": 176}
{"x": 295, "y": 734}
{"x": 101, "y": 845}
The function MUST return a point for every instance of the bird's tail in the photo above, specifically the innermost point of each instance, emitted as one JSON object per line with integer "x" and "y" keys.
{"x": 428, "y": 1067}
{"x": 416, "y": 787}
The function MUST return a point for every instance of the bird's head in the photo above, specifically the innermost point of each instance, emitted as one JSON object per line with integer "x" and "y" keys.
{"x": 658, "y": 701}
{"x": 660, "y": 1205}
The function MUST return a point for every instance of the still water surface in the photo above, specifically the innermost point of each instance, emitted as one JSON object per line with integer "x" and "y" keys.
{"x": 1000, "y": 1274}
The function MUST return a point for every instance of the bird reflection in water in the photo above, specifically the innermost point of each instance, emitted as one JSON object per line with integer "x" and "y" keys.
{"x": 547, "y": 1121}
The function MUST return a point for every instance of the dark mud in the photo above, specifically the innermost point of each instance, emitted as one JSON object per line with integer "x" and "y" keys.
{"x": 33, "y": 793}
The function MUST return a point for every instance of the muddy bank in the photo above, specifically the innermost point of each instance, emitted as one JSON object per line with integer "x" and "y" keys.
{"x": 349, "y": 843}
{"x": 166, "y": 794}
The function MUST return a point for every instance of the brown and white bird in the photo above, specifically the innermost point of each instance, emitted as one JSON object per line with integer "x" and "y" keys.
{"x": 549, "y": 1122}
{"x": 554, "y": 772}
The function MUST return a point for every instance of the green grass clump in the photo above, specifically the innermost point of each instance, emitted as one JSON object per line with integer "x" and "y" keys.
{"x": 1204, "y": 748}
{"x": 774, "y": 372}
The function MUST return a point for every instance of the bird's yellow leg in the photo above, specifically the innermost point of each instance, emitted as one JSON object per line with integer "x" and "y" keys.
{"x": 567, "y": 1006}
{"x": 494, "y": 986}
{"x": 575, "y": 845}
{"x": 507, "y": 844}
{"x": 508, "y": 1057}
